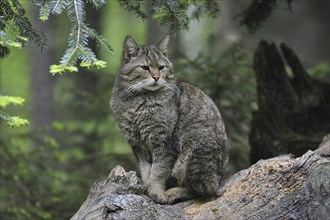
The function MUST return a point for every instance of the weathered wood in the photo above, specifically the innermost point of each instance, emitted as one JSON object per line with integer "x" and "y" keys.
{"x": 293, "y": 113}
{"x": 277, "y": 188}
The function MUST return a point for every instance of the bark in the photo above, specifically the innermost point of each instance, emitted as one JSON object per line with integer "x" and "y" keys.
{"x": 42, "y": 82}
{"x": 86, "y": 88}
{"x": 293, "y": 113}
{"x": 279, "y": 188}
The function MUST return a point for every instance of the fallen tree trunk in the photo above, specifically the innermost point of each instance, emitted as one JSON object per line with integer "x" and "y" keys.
{"x": 279, "y": 188}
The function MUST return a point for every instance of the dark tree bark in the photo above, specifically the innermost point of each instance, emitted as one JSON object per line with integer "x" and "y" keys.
{"x": 293, "y": 113}
{"x": 277, "y": 188}
{"x": 86, "y": 81}
{"x": 42, "y": 82}
{"x": 86, "y": 89}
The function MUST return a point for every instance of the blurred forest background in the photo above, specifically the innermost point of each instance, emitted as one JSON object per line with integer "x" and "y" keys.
{"x": 48, "y": 167}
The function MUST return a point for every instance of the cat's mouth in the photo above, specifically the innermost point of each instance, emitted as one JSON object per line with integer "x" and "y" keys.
{"x": 153, "y": 86}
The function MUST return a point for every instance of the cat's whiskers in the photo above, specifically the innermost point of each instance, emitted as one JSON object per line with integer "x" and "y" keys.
{"x": 138, "y": 86}
{"x": 132, "y": 88}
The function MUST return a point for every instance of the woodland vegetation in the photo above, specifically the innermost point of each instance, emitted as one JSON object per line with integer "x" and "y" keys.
{"x": 58, "y": 62}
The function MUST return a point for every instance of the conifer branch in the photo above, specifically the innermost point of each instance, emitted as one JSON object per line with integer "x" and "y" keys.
{"x": 13, "y": 21}
{"x": 69, "y": 58}
{"x": 86, "y": 55}
{"x": 76, "y": 16}
{"x": 44, "y": 11}
{"x": 170, "y": 13}
{"x": 136, "y": 8}
{"x": 78, "y": 39}
{"x": 101, "y": 42}
{"x": 97, "y": 3}
{"x": 57, "y": 6}
{"x": 209, "y": 7}
{"x": 257, "y": 12}
{"x": 13, "y": 121}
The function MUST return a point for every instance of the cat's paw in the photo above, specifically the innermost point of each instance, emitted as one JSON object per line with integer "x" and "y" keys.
{"x": 170, "y": 197}
{"x": 160, "y": 197}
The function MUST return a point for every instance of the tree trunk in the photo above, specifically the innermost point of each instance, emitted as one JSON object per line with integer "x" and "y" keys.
{"x": 42, "y": 82}
{"x": 293, "y": 113}
{"x": 86, "y": 89}
{"x": 277, "y": 188}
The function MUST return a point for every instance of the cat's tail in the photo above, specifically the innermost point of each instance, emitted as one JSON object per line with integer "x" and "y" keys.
{"x": 201, "y": 177}
{"x": 202, "y": 173}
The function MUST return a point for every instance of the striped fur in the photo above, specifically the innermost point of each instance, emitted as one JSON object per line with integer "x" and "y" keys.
{"x": 175, "y": 130}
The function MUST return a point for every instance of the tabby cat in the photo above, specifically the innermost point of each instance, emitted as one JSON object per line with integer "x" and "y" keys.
{"x": 175, "y": 130}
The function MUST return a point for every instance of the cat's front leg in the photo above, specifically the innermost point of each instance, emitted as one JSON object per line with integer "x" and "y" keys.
{"x": 161, "y": 168}
{"x": 144, "y": 160}
{"x": 145, "y": 169}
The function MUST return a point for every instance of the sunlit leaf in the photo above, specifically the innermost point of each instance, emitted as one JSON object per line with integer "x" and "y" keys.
{"x": 6, "y": 100}
{"x": 17, "y": 121}
{"x": 71, "y": 69}
{"x": 56, "y": 69}
{"x": 23, "y": 38}
{"x": 86, "y": 65}
{"x": 15, "y": 44}
{"x": 100, "y": 64}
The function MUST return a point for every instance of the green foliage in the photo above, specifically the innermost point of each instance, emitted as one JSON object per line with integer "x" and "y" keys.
{"x": 257, "y": 12}
{"x": 60, "y": 162}
{"x": 46, "y": 173}
{"x": 209, "y": 7}
{"x": 172, "y": 13}
{"x": 16, "y": 28}
{"x": 134, "y": 7}
{"x": 6, "y": 100}
{"x": 58, "y": 69}
{"x": 79, "y": 36}
{"x": 320, "y": 71}
{"x": 12, "y": 121}
{"x": 6, "y": 41}
{"x": 33, "y": 188}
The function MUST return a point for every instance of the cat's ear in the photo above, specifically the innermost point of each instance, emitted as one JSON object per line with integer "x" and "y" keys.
{"x": 162, "y": 45}
{"x": 130, "y": 49}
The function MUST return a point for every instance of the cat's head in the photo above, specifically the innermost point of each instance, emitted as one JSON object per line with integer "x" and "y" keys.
{"x": 146, "y": 68}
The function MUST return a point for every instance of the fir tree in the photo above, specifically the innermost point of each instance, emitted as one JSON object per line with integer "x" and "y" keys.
{"x": 16, "y": 29}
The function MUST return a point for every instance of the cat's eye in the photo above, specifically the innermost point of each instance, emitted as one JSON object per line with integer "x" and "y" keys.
{"x": 161, "y": 67}
{"x": 145, "y": 67}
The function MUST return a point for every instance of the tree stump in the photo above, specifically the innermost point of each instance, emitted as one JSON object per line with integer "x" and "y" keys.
{"x": 293, "y": 111}
{"x": 277, "y": 188}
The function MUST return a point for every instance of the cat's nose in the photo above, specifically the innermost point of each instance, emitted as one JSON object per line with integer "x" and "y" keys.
{"x": 155, "y": 77}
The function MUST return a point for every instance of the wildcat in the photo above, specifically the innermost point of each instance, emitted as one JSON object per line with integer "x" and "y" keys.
{"x": 175, "y": 130}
